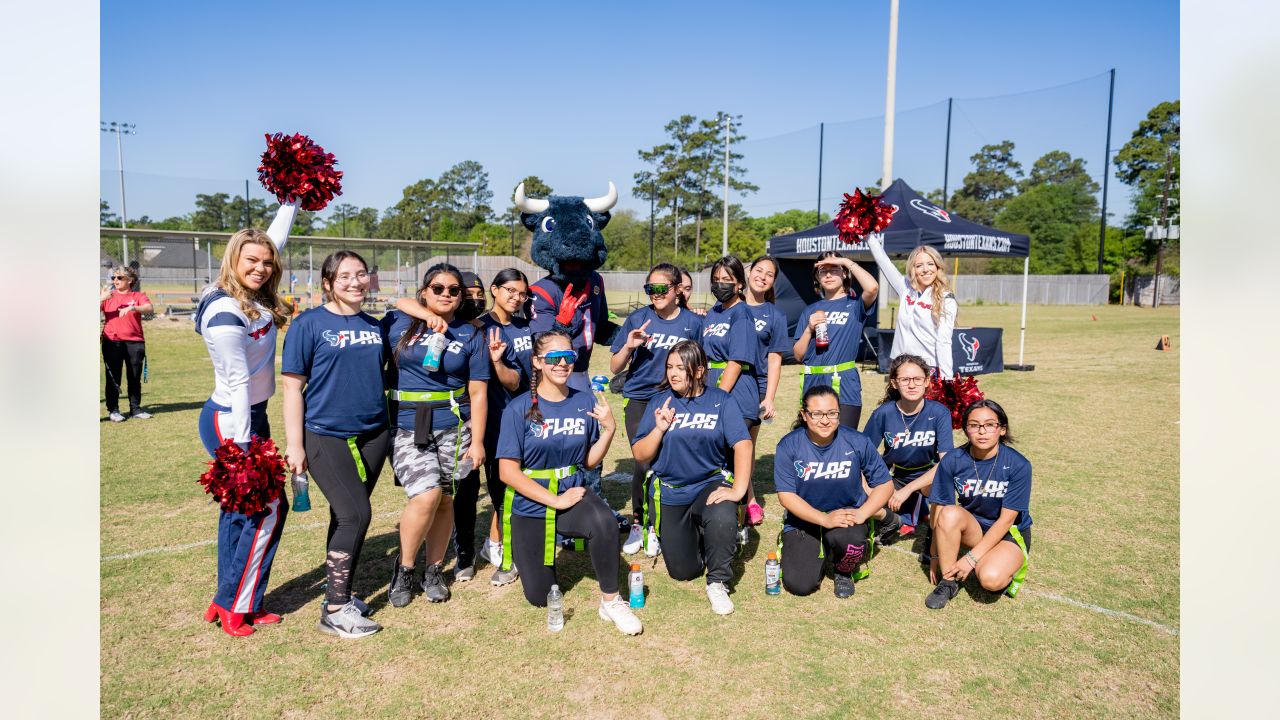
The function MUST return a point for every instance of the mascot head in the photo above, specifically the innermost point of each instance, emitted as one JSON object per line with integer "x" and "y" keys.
{"x": 566, "y": 233}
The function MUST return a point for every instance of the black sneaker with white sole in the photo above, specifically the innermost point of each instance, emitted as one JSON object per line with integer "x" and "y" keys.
{"x": 400, "y": 593}
{"x": 941, "y": 594}
{"x": 433, "y": 584}
{"x": 844, "y": 586}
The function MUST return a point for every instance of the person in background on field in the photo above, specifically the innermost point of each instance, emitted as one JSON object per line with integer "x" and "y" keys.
{"x": 819, "y": 470}
{"x": 928, "y": 310}
{"x": 916, "y": 434}
{"x": 335, "y": 418}
{"x": 771, "y": 329}
{"x": 841, "y": 314}
{"x": 640, "y": 349}
{"x": 692, "y": 436}
{"x": 550, "y": 436}
{"x": 238, "y": 318}
{"x": 123, "y": 346}
{"x": 980, "y": 500}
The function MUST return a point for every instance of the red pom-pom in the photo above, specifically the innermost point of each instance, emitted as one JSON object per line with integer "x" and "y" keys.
{"x": 861, "y": 215}
{"x": 243, "y": 482}
{"x": 956, "y": 394}
{"x": 294, "y": 167}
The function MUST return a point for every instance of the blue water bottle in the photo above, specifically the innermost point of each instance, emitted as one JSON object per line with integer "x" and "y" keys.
{"x": 301, "y": 498}
{"x": 635, "y": 586}
{"x": 599, "y": 383}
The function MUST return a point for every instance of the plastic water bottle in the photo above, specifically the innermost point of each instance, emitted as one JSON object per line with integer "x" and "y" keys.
{"x": 436, "y": 345}
{"x": 465, "y": 466}
{"x": 772, "y": 575}
{"x": 555, "y": 609}
{"x": 635, "y": 581}
{"x": 821, "y": 339}
{"x": 301, "y": 497}
{"x": 599, "y": 383}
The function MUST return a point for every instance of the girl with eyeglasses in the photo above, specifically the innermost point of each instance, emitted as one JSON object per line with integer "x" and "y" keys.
{"x": 640, "y": 348}
{"x": 771, "y": 329}
{"x": 819, "y": 470}
{"x": 980, "y": 500}
{"x": 693, "y": 437}
{"x": 440, "y": 401}
{"x": 123, "y": 346}
{"x": 916, "y": 434}
{"x": 550, "y": 437}
{"x": 927, "y": 314}
{"x": 841, "y": 314}
{"x": 335, "y": 419}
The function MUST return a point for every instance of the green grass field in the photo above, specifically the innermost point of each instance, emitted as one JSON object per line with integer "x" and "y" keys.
{"x": 1098, "y": 419}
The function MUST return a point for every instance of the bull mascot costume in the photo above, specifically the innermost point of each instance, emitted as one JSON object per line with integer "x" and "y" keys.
{"x": 568, "y": 244}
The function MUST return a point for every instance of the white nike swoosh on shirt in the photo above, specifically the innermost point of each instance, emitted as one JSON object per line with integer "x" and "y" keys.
{"x": 850, "y": 452}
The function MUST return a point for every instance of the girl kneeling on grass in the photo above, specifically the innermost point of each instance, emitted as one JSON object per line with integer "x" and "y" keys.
{"x": 818, "y": 471}
{"x": 694, "y": 434}
{"x": 549, "y": 439}
{"x": 980, "y": 500}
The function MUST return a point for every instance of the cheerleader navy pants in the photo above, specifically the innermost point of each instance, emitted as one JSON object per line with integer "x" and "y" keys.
{"x": 246, "y": 543}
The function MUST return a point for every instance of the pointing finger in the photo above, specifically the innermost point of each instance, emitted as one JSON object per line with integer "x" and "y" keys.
{"x": 646, "y": 324}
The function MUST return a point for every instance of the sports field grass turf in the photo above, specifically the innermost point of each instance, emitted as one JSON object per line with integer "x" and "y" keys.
{"x": 1097, "y": 418}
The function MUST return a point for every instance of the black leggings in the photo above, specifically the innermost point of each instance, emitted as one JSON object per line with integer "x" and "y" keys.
{"x": 802, "y": 568}
{"x": 590, "y": 518}
{"x": 633, "y": 413}
{"x": 465, "y": 497}
{"x": 334, "y": 468}
{"x": 850, "y": 415}
{"x": 126, "y": 355}
{"x": 700, "y": 536}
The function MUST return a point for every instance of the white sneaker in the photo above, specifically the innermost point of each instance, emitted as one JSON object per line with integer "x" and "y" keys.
{"x": 652, "y": 548}
{"x": 718, "y": 594}
{"x": 634, "y": 540}
{"x": 492, "y": 552}
{"x": 619, "y": 613}
{"x": 742, "y": 536}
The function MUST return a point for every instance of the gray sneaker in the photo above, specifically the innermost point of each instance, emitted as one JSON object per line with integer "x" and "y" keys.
{"x": 464, "y": 574}
{"x": 433, "y": 584}
{"x": 140, "y": 415}
{"x": 347, "y": 622}
{"x": 504, "y": 577}
{"x": 115, "y": 416}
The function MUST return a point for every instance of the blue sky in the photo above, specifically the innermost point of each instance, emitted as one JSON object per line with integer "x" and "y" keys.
{"x": 570, "y": 91}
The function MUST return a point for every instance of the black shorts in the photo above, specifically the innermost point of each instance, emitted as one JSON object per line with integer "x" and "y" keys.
{"x": 1026, "y": 538}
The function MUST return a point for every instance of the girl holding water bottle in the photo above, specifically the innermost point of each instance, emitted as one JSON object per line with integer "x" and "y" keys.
{"x": 549, "y": 439}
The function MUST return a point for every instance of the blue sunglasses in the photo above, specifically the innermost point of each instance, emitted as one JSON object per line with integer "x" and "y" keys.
{"x": 556, "y": 357}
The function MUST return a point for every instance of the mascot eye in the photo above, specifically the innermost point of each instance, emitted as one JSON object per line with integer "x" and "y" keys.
{"x": 548, "y": 224}
{"x": 591, "y": 222}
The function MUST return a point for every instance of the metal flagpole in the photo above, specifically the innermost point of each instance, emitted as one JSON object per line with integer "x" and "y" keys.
{"x": 821, "y": 137}
{"x": 887, "y": 174}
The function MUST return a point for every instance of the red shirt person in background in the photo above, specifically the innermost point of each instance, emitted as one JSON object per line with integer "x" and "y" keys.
{"x": 122, "y": 341}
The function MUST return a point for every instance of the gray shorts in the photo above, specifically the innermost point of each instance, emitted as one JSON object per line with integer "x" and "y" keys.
{"x": 426, "y": 467}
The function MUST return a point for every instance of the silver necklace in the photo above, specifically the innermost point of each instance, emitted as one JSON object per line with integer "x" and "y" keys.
{"x": 990, "y": 475}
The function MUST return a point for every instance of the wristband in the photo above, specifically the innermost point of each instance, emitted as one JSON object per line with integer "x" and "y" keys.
{"x": 972, "y": 559}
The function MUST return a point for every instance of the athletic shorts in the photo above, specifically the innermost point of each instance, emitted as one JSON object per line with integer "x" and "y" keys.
{"x": 420, "y": 468}
{"x": 1026, "y": 537}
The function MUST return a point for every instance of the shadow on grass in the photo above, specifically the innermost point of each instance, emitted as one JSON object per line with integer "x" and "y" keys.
{"x": 372, "y": 575}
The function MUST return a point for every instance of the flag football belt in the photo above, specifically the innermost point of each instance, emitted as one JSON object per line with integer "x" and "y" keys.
{"x": 722, "y": 364}
{"x": 553, "y": 476}
{"x": 653, "y": 507}
{"x": 894, "y": 468}
{"x": 428, "y": 396}
{"x": 1020, "y": 576}
{"x": 832, "y": 370}
{"x": 862, "y": 571}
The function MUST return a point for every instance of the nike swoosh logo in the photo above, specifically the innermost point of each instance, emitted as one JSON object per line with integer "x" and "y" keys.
{"x": 718, "y": 405}
{"x": 850, "y": 453}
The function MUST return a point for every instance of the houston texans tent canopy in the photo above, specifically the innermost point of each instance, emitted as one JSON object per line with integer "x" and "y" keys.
{"x": 916, "y": 221}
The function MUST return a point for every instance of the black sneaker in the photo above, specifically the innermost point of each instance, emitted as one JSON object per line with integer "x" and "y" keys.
{"x": 401, "y": 590}
{"x": 888, "y": 534}
{"x": 433, "y": 584}
{"x": 844, "y": 586}
{"x": 941, "y": 595}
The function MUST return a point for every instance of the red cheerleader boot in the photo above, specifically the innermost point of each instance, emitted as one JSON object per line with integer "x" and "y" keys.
{"x": 263, "y": 618}
{"x": 212, "y": 613}
{"x": 232, "y": 623}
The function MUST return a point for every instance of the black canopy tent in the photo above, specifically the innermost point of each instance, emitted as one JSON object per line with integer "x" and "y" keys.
{"x": 916, "y": 221}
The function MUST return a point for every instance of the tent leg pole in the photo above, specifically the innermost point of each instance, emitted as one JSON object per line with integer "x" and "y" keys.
{"x": 1022, "y": 334}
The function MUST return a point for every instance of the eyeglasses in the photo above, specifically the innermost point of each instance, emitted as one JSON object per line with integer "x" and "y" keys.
{"x": 828, "y": 415}
{"x": 657, "y": 289}
{"x": 349, "y": 280}
{"x": 829, "y": 270}
{"x": 557, "y": 357}
{"x": 452, "y": 290}
{"x": 520, "y": 295}
{"x": 980, "y": 428}
{"x": 910, "y": 381}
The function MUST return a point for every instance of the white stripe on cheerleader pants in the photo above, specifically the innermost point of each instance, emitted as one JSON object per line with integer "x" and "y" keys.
{"x": 253, "y": 567}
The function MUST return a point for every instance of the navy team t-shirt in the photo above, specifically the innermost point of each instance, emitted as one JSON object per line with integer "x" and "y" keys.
{"x": 648, "y": 366}
{"x": 466, "y": 358}
{"x": 911, "y": 448}
{"x": 1000, "y": 482}
{"x": 730, "y": 335}
{"x": 562, "y": 439}
{"x": 697, "y": 446}
{"x": 845, "y": 317}
{"x": 518, "y": 356}
{"x": 341, "y": 356}
{"x": 828, "y": 478}
{"x": 771, "y": 329}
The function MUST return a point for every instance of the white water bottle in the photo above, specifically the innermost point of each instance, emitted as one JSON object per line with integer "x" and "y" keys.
{"x": 555, "y": 609}
{"x": 635, "y": 583}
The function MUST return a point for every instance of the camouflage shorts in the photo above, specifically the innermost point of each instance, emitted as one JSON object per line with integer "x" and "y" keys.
{"x": 426, "y": 467}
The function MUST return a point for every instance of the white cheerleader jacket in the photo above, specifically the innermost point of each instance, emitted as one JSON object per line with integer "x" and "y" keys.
{"x": 915, "y": 333}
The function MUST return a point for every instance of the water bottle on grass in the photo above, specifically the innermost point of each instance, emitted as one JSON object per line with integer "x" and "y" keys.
{"x": 635, "y": 581}
{"x": 555, "y": 609}
{"x": 772, "y": 575}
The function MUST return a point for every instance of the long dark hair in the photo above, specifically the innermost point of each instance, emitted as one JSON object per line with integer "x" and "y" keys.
{"x": 681, "y": 300}
{"x": 693, "y": 356}
{"x": 416, "y": 326}
{"x": 771, "y": 295}
{"x": 329, "y": 269}
{"x": 734, "y": 266}
{"x": 506, "y": 275}
{"x": 813, "y": 392}
{"x": 671, "y": 271}
{"x": 844, "y": 273}
{"x": 1001, "y": 417}
{"x": 891, "y": 394}
{"x": 539, "y": 341}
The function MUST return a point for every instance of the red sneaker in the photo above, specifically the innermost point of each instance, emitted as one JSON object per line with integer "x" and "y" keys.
{"x": 907, "y": 531}
{"x": 263, "y": 618}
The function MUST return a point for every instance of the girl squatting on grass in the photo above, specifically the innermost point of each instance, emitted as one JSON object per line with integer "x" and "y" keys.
{"x": 550, "y": 438}
{"x": 818, "y": 471}
{"x": 440, "y": 424}
{"x": 692, "y": 437}
{"x": 238, "y": 317}
{"x": 640, "y": 347}
{"x": 927, "y": 314}
{"x": 335, "y": 417}
{"x": 980, "y": 500}
{"x": 771, "y": 329}
{"x": 843, "y": 313}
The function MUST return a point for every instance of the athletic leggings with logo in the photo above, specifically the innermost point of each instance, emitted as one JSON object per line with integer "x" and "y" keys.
{"x": 633, "y": 413}
{"x": 332, "y": 462}
{"x": 699, "y": 537}
{"x": 846, "y": 547}
{"x": 590, "y": 518}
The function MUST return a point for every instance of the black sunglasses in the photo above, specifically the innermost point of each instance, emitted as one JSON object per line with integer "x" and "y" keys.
{"x": 452, "y": 290}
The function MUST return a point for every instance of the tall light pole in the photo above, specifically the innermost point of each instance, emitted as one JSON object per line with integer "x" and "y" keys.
{"x": 890, "y": 82}
{"x": 724, "y": 242}
{"x": 121, "y": 129}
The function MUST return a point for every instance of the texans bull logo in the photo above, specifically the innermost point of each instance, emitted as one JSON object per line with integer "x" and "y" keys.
{"x": 970, "y": 347}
